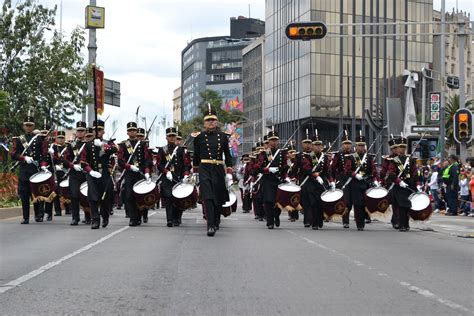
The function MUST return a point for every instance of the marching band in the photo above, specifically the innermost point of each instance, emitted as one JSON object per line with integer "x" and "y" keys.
{"x": 320, "y": 183}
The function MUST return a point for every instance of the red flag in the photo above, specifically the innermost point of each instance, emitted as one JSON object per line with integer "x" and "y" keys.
{"x": 99, "y": 90}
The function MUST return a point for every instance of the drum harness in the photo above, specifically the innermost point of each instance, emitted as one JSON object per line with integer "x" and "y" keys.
{"x": 26, "y": 147}
{"x": 171, "y": 158}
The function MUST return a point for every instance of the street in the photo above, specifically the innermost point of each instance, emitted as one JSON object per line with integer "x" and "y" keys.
{"x": 246, "y": 269}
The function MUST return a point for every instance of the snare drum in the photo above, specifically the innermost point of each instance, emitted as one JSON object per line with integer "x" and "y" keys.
{"x": 185, "y": 196}
{"x": 288, "y": 197}
{"x": 420, "y": 206}
{"x": 231, "y": 205}
{"x": 332, "y": 202}
{"x": 376, "y": 200}
{"x": 64, "y": 190}
{"x": 83, "y": 202}
{"x": 43, "y": 187}
{"x": 146, "y": 194}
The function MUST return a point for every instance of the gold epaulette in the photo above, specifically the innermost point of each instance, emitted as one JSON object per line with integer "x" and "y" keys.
{"x": 195, "y": 134}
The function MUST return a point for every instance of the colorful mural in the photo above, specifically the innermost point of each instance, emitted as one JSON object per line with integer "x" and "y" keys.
{"x": 235, "y": 132}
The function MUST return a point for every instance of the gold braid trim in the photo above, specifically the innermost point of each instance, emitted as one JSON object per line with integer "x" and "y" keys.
{"x": 288, "y": 208}
{"x": 47, "y": 199}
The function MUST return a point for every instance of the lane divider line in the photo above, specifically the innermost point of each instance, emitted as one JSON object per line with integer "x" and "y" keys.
{"x": 423, "y": 292}
{"x": 12, "y": 284}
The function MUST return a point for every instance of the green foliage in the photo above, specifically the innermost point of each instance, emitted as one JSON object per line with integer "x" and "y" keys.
{"x": 449, "y": 110}
{"x": 44, "y": 76}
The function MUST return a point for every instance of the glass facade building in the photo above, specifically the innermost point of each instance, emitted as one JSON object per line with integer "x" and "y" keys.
{"x": 308, "y": 84}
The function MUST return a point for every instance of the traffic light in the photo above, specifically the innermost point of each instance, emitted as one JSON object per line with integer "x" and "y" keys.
{"x": 462, "y": 126}
{"x": 306, "y": 31}
{"x": 452, "y": 82}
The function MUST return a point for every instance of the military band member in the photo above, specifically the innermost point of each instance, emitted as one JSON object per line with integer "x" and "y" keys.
{"x": 361, "y": 167}
{"x": 338, "y": 175}
{"x": 319, "y": 178}
{"x": 392, "y": 143}
{"x": 273, "y": 175}
{"x": 305, "y": 164}
{"x": 95, "y": 160}
{"x": 175, "y": 167}
{"x": 292, "y": 161}
{"x": 211, "y": 157}
{"x": 134, "y": 159}
{"x": 402, "y": 172}
{"x": 72, "y": 159}
{"x": 59, "y": 148}
{"x": 30, "y": 161}
{"x": 142, "y": 137}
{"x": 46, "y": 206}
{"x": 255, "y": 187}
{"x": 247, "y": 199}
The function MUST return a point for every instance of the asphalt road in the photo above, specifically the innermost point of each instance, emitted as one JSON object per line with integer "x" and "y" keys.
{"x": 246, "y": 269}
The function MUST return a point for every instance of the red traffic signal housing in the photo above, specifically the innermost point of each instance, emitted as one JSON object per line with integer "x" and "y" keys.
{"x": 462, "y": 126}
{"x": 306, "y": 31}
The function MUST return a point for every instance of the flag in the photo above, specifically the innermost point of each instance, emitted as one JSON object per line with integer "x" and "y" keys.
{"x": 99, "y": 90}
{"x": 410, "y": 115}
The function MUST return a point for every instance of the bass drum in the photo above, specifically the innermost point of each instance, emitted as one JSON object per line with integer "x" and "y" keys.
{"x": 421, "y": 208}
{"x": 231, "y": 205}
{"x": 376, "y": 200}
{"x": 43, "y": 187}
{"x": 288, "y": 197}
{"x": 146, "y": 194}
{"x": 83, "y": 202}
{"x": 185, "y": 196}
{"x": 332, "y": 202}
{"x": 64, "y": 190}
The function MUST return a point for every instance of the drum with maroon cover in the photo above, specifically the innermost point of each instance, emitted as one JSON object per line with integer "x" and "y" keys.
{"x": 231, "y": 205}
{"x": 43, "y": 187}
{"x": 83, "y": 202}
{"x": 146, "y": 194}
{"x": 185, "y": 196}
{"x": 333, "y": 203}
{"x": 421, "y": 209}
{"x": 288, "y": 197}
{"x": 376, "y": 200}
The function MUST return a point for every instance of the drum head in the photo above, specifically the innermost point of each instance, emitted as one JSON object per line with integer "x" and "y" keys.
{"x": 232, "y": 199}
{"x": 40, "y": 177}
{"x": 143, "y": 187}
{"x": 289, "y": 187}
{"x": 377, "y": 193}
{"x": 332, "y": 195}
{"x": 182, "y": 190}
{"x": 64, "y": 183}
{"x": 419, "y": 201}
{"x": 84, "y": 188}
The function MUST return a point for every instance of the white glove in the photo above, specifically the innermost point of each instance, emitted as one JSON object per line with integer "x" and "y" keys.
{"x": 376, "y": 183}
{"x": 287, "y": 179}
{"x": 98, "y": 142}
{"x": 77, "y": 168}
{"x": 134, "y": 168}
{"x": 403, "y": 184}
{"x": 44, "y": 169}
{"x": 147, "y": 177}
{"x": 273, "y": 169}
{"x": 320, "y": 180}
{"x": 51, "y": 150}
{"x": 229, "y": 177}
{"x": 332, "y": 185}
{"x": 169, "y": 176}
{"x": 29, "y": 160}
{"x": 185, "y": 178}
{"x": 358, "y": 176}
{"x": 95, "y": 174}
{"x": 58, "y": 168}
{"x": 229, "y": 183}
{"x": 419, "y": 188}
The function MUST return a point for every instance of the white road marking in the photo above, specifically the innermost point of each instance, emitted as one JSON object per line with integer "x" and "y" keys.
{"x": 423, "y": 292}
{"x": 12, "y": 284}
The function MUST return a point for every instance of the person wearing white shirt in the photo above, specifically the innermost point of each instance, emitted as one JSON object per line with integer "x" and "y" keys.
{"x": 433, "y": 185}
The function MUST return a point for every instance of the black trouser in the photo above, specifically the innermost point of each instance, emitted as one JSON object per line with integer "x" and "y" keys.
{"x": 308, "y": 214}
{"x": 258, "y": 208}
{"x": 75, "y": 209}
{"x": 104, "y": 210}
{"x": 24, "y": 190}
{"x": 294, "y": 214}
{"x": 272, "y": 213}
{"x": 169, "y": 209}
{"x": 48, "y": 208}
{"x": 57, "y": 205}
{"x": 359, "y": 215}
{"x": 318, "y": 216}
{"x": 213, "y": 213}
{"x": 404, "y": 218}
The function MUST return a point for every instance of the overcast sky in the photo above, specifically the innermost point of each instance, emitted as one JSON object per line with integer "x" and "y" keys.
{"x": 142, "y": 42}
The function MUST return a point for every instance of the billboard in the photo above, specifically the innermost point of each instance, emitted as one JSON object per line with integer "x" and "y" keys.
{"x": 231, "y": 94}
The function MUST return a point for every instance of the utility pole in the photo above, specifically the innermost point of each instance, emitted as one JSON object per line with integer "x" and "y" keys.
{"x": 462, "y": 95}
{"x": 442, "y": 127}
{"x": 92, "y": 48}
{"x": 423, "y": 96}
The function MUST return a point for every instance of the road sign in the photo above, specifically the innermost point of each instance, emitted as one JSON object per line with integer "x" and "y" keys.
{"x": 112, "y": 92}
{"x": 435, "y": 107}
{"x": 425, "y": 129}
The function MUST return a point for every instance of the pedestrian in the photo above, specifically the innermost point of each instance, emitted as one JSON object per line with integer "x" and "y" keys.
{"x": 451, "y": 180}
{"x": 465, "y": 206}
{"x": 434, "y": 187}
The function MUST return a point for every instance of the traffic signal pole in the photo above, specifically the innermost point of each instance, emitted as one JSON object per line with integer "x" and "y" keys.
{"x": 442, "y": 119}
{"x": 462, "y": 95}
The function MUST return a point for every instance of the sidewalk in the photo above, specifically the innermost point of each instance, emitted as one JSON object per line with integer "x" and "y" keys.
{"x": 460, "y": 226}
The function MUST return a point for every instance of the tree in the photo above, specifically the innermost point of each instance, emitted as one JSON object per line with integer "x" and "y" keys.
{"x": 449, "y": 110}
{"x": 47, "y": 77}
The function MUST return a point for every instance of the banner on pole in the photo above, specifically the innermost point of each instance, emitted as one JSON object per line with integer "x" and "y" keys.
{"x": 99, "y": 90}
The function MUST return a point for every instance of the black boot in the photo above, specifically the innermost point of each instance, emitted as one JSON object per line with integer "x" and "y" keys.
{"x": 105, "y": 222}
{"x": 25, "y": 221}
{"x": 211, "y": 232}
{"x": 74, "y": 222}
{"x": 95, "y": 224}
